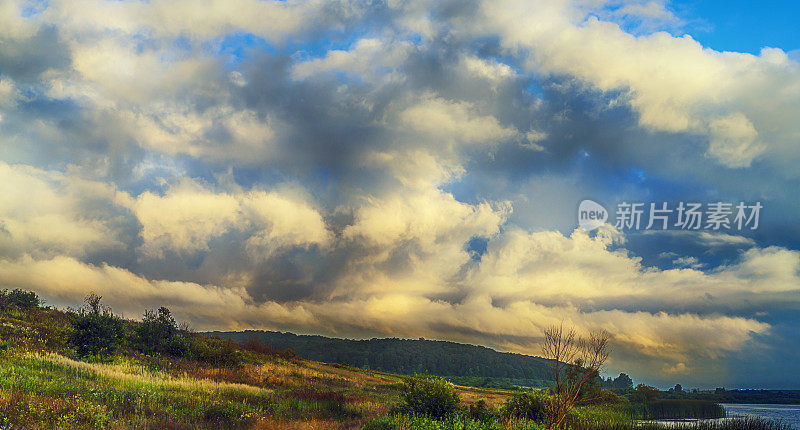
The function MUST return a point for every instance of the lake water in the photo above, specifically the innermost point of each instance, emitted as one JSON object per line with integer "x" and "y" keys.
{"x": 789, "y": 414}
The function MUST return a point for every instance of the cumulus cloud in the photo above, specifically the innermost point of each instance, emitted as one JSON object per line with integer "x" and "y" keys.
{"x": 406, "y": 169}
{"x": 458, "y": 122}
{"x": 209, "y": 19}
{"x": 188, "y": 216}
{"x": 50, "y": 213}
{"x": 674, "y": 83}
{"x": 368, "y": 59}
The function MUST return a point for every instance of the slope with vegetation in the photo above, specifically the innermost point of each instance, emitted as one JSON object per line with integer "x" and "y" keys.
{"x": 88, "y": 368}
{"x": 464, "y": 364}
{"x": 91, "y": 369}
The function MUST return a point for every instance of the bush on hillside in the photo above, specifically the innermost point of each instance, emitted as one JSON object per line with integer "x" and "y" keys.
{"x": 159, "y": 333}
{"x": 606, "y": 397}
{"x": 18, "y": 299}
{"x": 215, "y": 351}
{"x": 97, "y": 331}
{"x": 255, "y": 346}
{"x": 430, "y": 396}
{"x": 644, "y": 393}
{"x": 480, "y": 411}
{"x": 528, "y": 405}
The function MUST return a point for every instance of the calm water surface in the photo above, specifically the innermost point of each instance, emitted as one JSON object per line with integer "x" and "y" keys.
{"x": 789, "y": 414}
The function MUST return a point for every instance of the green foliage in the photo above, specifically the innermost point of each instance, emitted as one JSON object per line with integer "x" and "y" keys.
{"x": 430, "y": 396}
{"x": 528, "y": 405}
{"x": 424, "y": 422}
{"x": 606, "y": 397}
{"x": 596, "y": 418}
{"x": 644, "y": 393}
{"x": 47, "y": 394}
{"x": 158, "y": 391}
{"x": 498, "y": 383}
{"x": 481, "y": 411}
{"x": 409, "y": 357}
{"x": 97, "y": 331}
{"x": 585, "y": 418}
{"x": 159, "y": 333}
{"x": 255, "y": 346}
{"x": 18, "y": 299}
{"x": 621, "y": 382}
{"x": 215, "y": 351}
{"x": 676, "y": 409}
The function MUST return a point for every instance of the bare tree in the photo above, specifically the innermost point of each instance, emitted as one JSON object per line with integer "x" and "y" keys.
{"x": 576, "y": 361}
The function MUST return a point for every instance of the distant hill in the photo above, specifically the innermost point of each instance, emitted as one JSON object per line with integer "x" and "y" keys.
{"x": 465, "y": 364}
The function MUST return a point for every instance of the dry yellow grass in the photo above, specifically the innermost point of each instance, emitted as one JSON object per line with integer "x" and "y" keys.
{"x": 129, "y": 372}
{"x": 306, "y": 425}
{"x": 302, "y": 372}
{"x": 470, "y": 395}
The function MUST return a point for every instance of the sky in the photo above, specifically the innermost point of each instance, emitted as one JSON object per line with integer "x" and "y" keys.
{"x": 414, "y": 169}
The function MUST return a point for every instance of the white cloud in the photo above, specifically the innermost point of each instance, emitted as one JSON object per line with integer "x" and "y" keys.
{"x": 150, "y": 88}
{"x": 49, "y": 213}
{"x": 734, "y": 140}
{"x": 454, "y": 121}
{"x": 368, "y": 59}
{"x": 671, "y": 339}
{"x": 771, "y": 269}
{"x": 691, "y": 262}
{"x": 548, "y": 267}
{"x": 185, "y": 218}
{"x": 65, "y": 281}
{"x": 492, "y": 71}
{"x": 282, "y": 219}
{"x": 12, "y": 24}
{"x": 673, "y": 83}
{"x": 206, "y": 19}
{"x": 188, "y": 216}
{"x": 8, "y": 93}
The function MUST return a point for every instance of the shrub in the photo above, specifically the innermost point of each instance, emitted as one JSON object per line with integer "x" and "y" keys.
{"x": 598, "y": 418}
{"x": 422, "y": 422}
{"x": 158, "y": 333}
{"x": 215, "y": 351}
{"x": 96, "y": 331}
{"x": 528, "y": 405}
{"x": 254, "y": 345}
{"x": 644, "y": 393}
{"x": 482, "y": 412}
{"x": 433, "y": 397}
{"x": 606, "y": 397}
{"x": 19, "y": 299}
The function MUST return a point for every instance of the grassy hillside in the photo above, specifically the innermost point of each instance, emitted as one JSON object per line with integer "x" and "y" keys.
{"x": 91, "y": 369}
{"x": 469, "y": 364}
{"x": 45, "y": 383}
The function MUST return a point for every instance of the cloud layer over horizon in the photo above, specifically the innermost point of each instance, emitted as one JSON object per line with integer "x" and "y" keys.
{"x": 404, "y": 168}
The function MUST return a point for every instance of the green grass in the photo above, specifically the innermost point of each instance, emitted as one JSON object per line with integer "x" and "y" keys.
{"x": 44, "y": 383}
{"x": 456, "y": 422}
{"x": 676, "y": 409}
{"x": 584, "y": 419}
{"x": 597, "y": 417}
{"x": 53, "y": 394}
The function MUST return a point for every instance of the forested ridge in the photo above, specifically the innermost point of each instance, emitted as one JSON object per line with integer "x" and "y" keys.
{"x": 409, "y": 356}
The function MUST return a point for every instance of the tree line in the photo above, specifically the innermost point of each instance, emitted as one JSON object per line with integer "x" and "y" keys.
{"x": 408, "y": 356}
